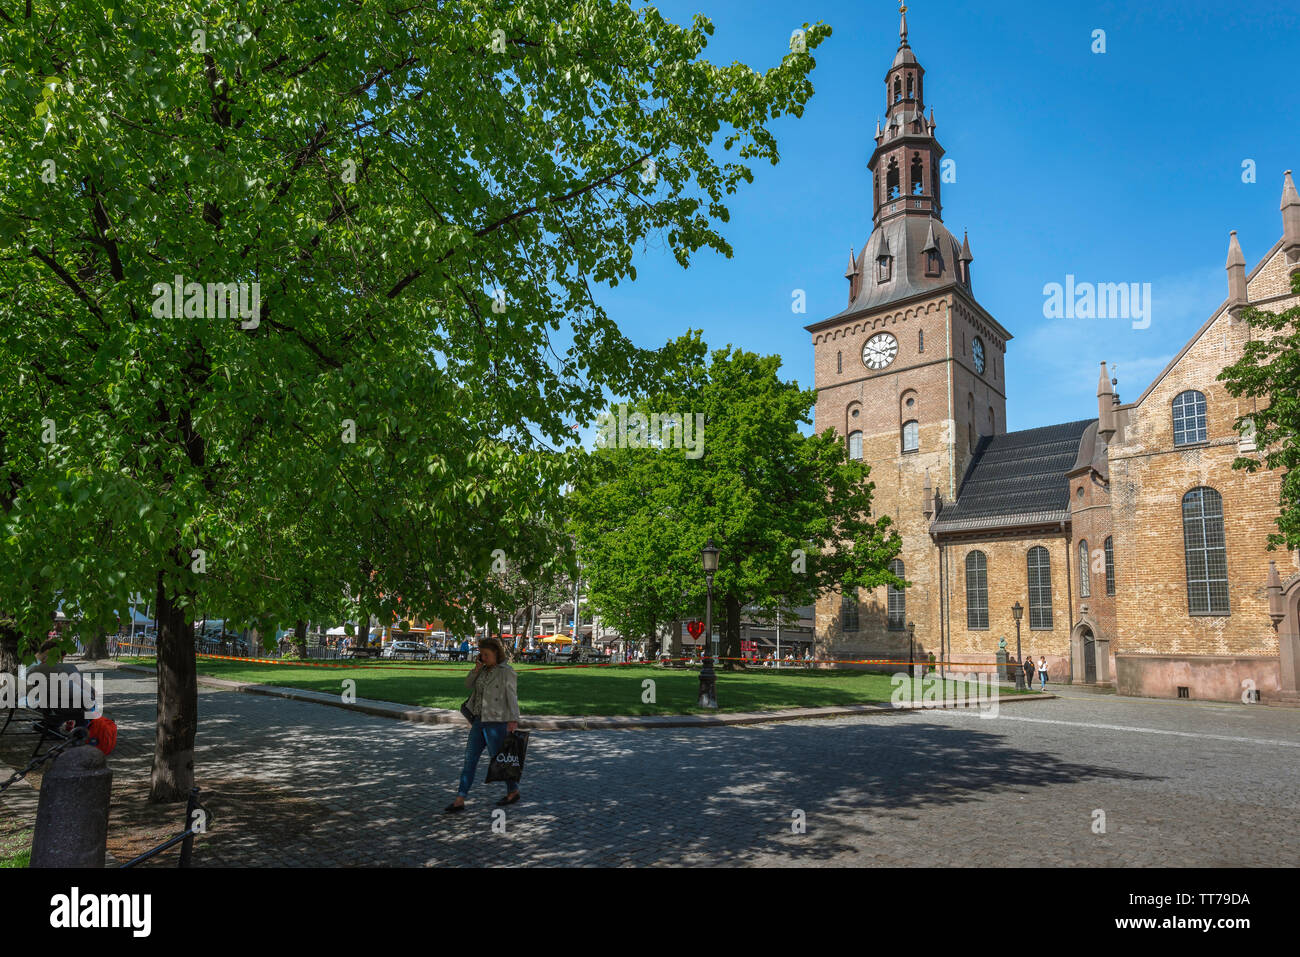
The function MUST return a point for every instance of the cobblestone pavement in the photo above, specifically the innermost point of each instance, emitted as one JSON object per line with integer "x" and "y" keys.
{"x": 1180, "y": 784}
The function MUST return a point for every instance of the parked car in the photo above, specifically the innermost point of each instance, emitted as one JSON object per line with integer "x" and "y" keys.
{"x": 406, "y": 649}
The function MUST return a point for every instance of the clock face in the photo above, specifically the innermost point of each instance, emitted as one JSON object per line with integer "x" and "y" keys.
{"x": 879, "y": 351}
{"x": 977, "y": 351}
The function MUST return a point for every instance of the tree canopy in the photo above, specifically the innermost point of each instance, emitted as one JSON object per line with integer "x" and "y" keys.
{"x": 1269, "y": 369}
{"x": 300, "y": 296}
{"x": 790, "y": 512}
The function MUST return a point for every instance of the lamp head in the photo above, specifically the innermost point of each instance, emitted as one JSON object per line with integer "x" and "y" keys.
{"x": 709, "y": 556}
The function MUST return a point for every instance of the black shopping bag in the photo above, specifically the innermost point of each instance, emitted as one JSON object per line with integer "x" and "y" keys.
{"x": 508, "y": 763}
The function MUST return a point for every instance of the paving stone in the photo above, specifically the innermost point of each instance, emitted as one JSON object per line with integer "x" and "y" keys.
{"x": 1181, "y": 784}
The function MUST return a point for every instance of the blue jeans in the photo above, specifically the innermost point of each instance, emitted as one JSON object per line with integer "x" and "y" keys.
{"x": 483, "y": 734}
{"x": 1043, "y": 675}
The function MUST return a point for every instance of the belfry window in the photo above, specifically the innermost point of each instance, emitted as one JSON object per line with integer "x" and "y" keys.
{"x": 892, "y": 187}
{"x": 1206, "y": 552}
{"x": 918, "y": 179}
{"x": 977, "y": 591}
{"x": 910, "y": 93}
{"x": 1040, "y": 589}
{"x": 896, "y": 600}
{"x": 1189, "y": 418}
{"x": 898, "y": 89}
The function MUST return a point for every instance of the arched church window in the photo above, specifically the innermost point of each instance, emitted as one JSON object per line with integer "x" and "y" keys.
{"x": 848, "y": 611}
{"x": 1110, "y": 566}
{"x": 839, "y": 362}
{"x": 910, "y": 94}
{"x": 1206, "y": 552}
{"x": 1085, "y": 580}
{"x": 977, "y": 591}
{"x": 855, "y": 446}
{"x": 918, "y": 184}
{"x": 911, "y": 436}
{"x": 920, "y": 340}
{"x": 1040, "y": 589}
{"x": 1189, "y": 418}
{"x": 898, "y": 89}
{"x": 892, "y": 187}
{"x": 896, "y": 599}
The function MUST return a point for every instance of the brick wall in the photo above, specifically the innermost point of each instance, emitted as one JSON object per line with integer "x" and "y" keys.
{"x": 851, "y": 397}
{"x": 1149, "y": 478}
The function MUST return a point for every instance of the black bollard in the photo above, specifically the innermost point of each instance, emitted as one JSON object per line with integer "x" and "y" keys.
{"x": 72, "y": 815}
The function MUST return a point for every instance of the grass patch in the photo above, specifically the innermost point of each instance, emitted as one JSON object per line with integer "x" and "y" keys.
{"x": 15, "y": 845}
{"x": 578, "y": 691}
{"x": 20, "y": 859}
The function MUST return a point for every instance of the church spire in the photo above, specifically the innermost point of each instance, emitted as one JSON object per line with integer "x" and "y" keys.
{"x": 905, "y": 163}
{"x": 1105, "y": 407}
{"x": 965, "y": 258}
{"x": 1290, "y": 221}
{"x": 1237, "y": 295}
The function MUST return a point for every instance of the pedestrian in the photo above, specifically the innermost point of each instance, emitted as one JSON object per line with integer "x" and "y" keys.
{"x": 64, "y": 703}
{"x": 1042, "y": 672}
{"x": 1029, "y": 672}
{"x": 494, "y": 704}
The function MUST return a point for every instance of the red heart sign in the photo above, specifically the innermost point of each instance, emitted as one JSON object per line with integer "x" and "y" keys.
{"x": 696, "y": 628}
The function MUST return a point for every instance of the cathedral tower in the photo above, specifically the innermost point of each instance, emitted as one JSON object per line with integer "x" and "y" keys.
{"x": 911, "y": 371}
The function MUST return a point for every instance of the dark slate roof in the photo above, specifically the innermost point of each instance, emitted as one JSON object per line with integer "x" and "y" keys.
{"x": 1016, "y": 479}
{"x": 904, "y": 238}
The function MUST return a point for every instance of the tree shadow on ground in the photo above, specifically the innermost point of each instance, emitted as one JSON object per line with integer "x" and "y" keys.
{"x": 297, "y": 783}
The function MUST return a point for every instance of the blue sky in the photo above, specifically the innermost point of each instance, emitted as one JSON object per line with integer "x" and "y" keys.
{"x": 1117, "y": 167}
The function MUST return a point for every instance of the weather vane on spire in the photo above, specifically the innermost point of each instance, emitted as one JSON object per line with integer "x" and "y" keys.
{"x": 902, "y": 20}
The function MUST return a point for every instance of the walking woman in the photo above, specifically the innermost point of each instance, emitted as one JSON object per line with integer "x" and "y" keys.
{"x": 1029, "y": 672}
{"x": 494, "y": 702}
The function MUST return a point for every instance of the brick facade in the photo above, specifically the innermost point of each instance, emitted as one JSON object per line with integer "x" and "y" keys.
{"x": 1126, "y": 487}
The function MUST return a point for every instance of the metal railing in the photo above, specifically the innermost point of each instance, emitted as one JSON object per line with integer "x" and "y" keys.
{"x": 185, "y": 839}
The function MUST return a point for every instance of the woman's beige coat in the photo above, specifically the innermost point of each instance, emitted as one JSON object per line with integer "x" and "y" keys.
{"x": 494, "y": 693}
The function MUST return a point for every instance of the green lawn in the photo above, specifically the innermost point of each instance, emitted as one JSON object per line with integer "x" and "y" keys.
{"x": 578, "y": 691}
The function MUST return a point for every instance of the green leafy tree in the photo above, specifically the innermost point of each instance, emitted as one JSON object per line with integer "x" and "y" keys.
{"x": 290, "y": 275}
{"x": 790, "y": 512}
{"x": 1269, "y": 371}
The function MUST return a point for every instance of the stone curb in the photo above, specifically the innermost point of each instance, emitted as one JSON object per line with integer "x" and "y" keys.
{"x": 420, "y": 715}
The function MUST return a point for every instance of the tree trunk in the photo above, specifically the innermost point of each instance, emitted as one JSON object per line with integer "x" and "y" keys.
{"x": 178, "y": 701}
{"x": 299, "y": 640}
{"x": 9, "y": 650}
{"x": 97, "y": 647}
{"x": 731, "y": 633}
{"x": 675, "y": 640}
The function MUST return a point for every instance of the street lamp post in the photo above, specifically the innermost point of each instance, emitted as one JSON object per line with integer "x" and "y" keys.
{"x": 1018, "y": 612}
{"x": 708, "y": 679}
{"x": 911, "y": 649}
